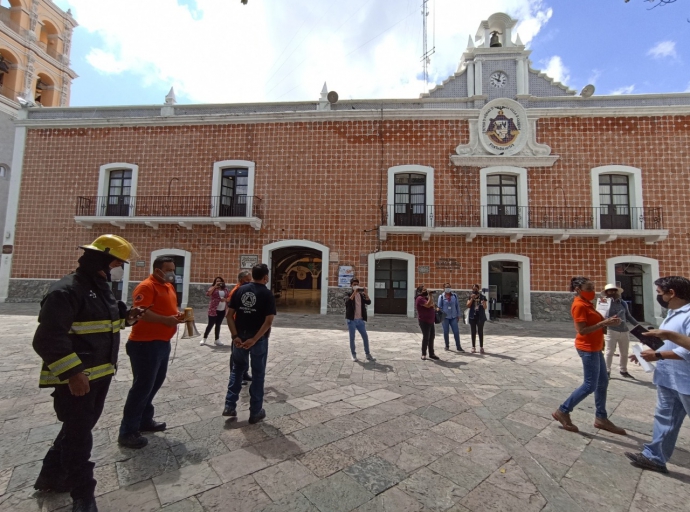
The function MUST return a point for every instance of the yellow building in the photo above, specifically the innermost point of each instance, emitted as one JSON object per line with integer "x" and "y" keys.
{"x": 35, "y": 38}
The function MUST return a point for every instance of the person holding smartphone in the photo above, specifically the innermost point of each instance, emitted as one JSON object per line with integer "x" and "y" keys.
{"x": 476, "y": 304}
{"x": 671, "y": 376}
{"x": 216, "y": 309}
{"x": 589, "y": 342}
{"x": 617, "y": 335}
{"x": 426, "y": 315}
{"x": 356, "y": 303}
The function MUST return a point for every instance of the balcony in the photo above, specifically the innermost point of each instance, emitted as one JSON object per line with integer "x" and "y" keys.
{"x": 50, "y": 50}
{"x": 607, "y": 223}
{"x": 6, "y": 18}
{"x": 152, "y": 211}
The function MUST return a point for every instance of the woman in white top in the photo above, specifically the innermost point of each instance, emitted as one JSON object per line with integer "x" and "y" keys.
{"x": 216, "y": 308}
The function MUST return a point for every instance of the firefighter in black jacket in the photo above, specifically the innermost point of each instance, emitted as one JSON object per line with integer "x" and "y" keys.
{"x": 78, "y": 338}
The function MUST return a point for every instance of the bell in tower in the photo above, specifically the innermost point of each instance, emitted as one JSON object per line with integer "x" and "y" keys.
{"x": 495, "y": 41}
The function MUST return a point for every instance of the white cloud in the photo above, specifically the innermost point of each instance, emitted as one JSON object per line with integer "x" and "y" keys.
{"x": 555, "y": 68}
{"x": 626, "y": 89}
{"x": 663, "y": 49}
{"x": 594, "y": 77}
{"x": 273, "y": 50}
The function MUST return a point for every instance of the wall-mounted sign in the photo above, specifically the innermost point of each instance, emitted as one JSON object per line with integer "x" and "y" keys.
{"x": 334, "y": 257}
{"x": 423, "y": 269}
{"x": 140, "y": 263}
{"x": 7, "y": 249}
{"x": 447, "y": 264}
{"x": 248, "y": 260}
{"x": 345, "y": 273}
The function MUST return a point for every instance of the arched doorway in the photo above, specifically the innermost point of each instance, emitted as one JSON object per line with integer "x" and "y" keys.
{"x": 183, "y": 263}
{"x": 636, "y": 275}
{"x": 510, "y": 273}
{"x": 391, "y": 283}
{"x": 299, "y": 275}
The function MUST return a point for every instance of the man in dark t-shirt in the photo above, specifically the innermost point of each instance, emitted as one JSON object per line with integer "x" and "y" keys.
{"x": 250, "y": 315}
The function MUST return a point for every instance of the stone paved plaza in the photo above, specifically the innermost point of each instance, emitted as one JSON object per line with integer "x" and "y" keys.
{"x": 468, "y": 432}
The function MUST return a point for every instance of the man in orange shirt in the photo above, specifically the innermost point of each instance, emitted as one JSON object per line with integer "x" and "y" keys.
{"x": 148, "y": 349}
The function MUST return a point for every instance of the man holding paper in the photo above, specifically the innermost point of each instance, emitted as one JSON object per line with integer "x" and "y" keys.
{"x": 672, "y": 375}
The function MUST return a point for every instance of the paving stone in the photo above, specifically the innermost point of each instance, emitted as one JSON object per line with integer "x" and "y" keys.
{"x": 106, "y": 478}
{"x": 279, "y": 449}
{"x": 241, "y": 437}
{"x": 285, "y": 424}
{"x": 303, "y": 404}
{"x": 337, "y": 493}
{"x": 311, "y": 417}
{"x": 140, "y": 497}
{"x": 454, "y": 431}
{"x": 45, "y": 433}
{"x": 347, "y": 425}
{"x": 375, "y": 473}
{"x": 177, "y": 485}
{"x": 241, "y": 495}
{"x": 432, "y": 490}
{"x": 5, "y": 476}
{"x": 145, "y": 466}
{"x": 433, "y": 414}
{"x": 393, "y": 500}
{"x": 460, "y": 470}
{"x": 205, "y": 428}
{"x": 295, "y": 502}
{"x": 383, "y": 395}
{"x": 284, "y": 478}
{"x": 279, "y": 409}
{"x": 237, "y": 464}
{"x": 522, "y": 432}
{"x": 186, "y": 505}
{"x": 407, "y": 457}
{"x": 315, "y": 436}
{"x": 24, "y": 475}
{"x": 326, "y": 460}
{"x": 196, "y": 451}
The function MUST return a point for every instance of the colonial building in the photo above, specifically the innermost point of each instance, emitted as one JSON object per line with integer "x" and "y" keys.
{"x": 35, "y": 38}
{"x": 499, "y": 176}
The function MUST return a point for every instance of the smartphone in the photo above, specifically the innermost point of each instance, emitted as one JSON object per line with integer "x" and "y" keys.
{"x": 651, "y": 341}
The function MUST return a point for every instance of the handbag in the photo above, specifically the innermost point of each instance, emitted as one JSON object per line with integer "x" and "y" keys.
{"x": 440, "y": 315}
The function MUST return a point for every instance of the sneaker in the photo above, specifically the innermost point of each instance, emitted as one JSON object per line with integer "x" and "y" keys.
{"x": 627, "y": 375}
{"x": 370, "y": 357}
{"x": 564, "y": 419}
{"x": 84, "y": 505}
{"x": 229, "y": 412}
{"x": 607, "y": 424}
{"x": 134, "y": 440}
{"x": 219, "y": 343}
{"x": 643, "y": 462}
{"x": 202, "y": 342}
{"x": 354, "y": 358}
{"x": 256, "y": 419}
{"x": 154, "y": 426}
{"x": 55, "y": 484}
{"x": 434, "y": 357}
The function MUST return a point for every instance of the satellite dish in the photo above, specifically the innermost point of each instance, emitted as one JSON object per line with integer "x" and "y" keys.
{"x": 332, "y": 97}
{"x": 587, "y": 91}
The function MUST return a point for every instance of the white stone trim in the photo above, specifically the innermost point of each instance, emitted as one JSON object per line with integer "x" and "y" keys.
{"x": 371, "y": 274}
{"x": 635, "y": 186}
{"x": 266, "y": 258}
{"x": 104, "y": 177}
{"x": 12, "y": 208}
{"x": 524, "y": 279}
{"x": 419, "y": 169}
{"x": 217, "y": 173}
{"x": 185, "y": 277}
{"x": 652, "y": 309}
{"x": 522, "y": 190}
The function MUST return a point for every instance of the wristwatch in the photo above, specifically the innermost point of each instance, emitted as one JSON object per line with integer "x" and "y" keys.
{"x": 658, "y": 355}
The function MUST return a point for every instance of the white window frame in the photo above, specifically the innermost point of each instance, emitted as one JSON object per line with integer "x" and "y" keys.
{"x": 522, "y": 191}
{"x": 418, "y": 169}
{"x": 104, "y": 178}
{"x": 218, "y": 168}
{"x": 634, "y": 183}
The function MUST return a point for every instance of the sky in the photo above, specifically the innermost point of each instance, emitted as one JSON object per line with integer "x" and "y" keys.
{"x": 130, "y": 52}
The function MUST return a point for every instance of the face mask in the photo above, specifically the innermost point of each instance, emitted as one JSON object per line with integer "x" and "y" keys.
{"x": 448, "y": 290}
{"x": 588, "y": 295}
{"x": 663, "y": 303}
{"x": 168, "y": 277}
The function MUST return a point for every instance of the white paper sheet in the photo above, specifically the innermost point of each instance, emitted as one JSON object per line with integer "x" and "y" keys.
{"x": 646, "y": 365}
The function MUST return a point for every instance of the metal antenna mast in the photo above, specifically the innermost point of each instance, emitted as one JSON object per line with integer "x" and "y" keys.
{"x": 427, "y": 53}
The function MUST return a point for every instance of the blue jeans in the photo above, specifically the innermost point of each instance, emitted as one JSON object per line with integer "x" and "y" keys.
{"x": 241, "y": 362}
{"x": 453, "y": 324}
{"x": 596, "y": 381}
{"x": 671, "y": 409}
{"x": 149, "y": 360}
{"x": 360, "y": 326}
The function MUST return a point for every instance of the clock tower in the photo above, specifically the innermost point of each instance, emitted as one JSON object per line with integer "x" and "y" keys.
{"x": 496, "y": 65}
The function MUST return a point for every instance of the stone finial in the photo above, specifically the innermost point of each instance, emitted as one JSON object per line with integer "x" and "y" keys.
{"x": 324, "y": 104}
{"x": 170, "y": 97}
{"x": 470, "y": 43}
{"x": 518, "y": 41}
{"x": 324, "y": 92}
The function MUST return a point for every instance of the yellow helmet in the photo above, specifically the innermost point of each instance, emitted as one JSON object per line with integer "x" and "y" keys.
{"x": 114, "y": 245}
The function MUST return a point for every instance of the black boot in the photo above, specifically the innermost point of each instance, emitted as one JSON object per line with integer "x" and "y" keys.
{"x": 84, "y": 505}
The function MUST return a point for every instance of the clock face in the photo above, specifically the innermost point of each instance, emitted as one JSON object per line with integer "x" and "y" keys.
{"x": 498, "y": 79}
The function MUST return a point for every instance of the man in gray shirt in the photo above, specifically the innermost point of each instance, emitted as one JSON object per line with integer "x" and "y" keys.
{"x": 617, "y": 335}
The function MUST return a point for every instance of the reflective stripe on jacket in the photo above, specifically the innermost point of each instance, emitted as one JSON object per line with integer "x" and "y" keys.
{"x": 79, "y": 329}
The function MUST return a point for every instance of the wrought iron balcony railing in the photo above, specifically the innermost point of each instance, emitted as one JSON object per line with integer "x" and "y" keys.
{"x": 168, "y": 206}
{"x": 539, "y": 217}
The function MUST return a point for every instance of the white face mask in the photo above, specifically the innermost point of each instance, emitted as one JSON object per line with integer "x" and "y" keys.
{"x": 448, "y": 290}
{"x": 169, "y": 277}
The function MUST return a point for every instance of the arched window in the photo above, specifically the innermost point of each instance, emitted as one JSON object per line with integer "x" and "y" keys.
{"x": 8, "y": 74}
{"x": 45, "y": 90}
{"x": 410, "y": 196}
